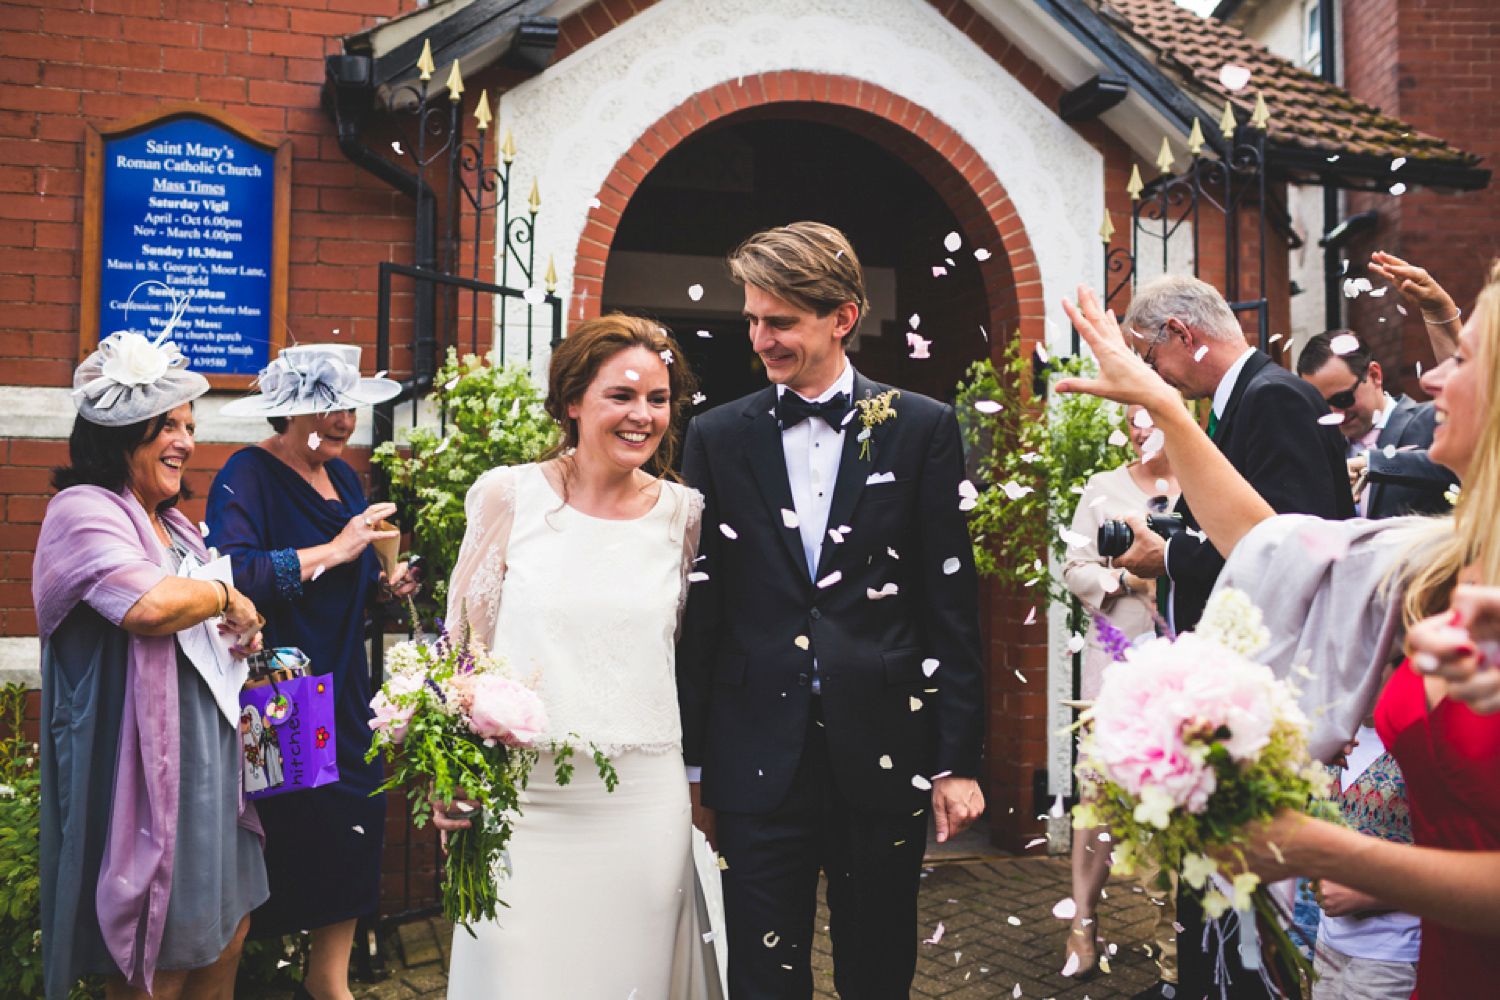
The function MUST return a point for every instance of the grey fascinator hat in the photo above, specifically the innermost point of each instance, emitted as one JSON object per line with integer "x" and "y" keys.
{"x": 313, "y": 378}
{"x": 132, "y": 377}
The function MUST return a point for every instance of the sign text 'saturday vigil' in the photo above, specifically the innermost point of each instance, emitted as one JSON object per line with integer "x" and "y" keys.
{"x": 190, "y": 205}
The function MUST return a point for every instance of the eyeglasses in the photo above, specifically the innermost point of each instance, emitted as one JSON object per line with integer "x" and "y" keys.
{"x": 1344, "y": 399}
{"x": 1161, "y": 337}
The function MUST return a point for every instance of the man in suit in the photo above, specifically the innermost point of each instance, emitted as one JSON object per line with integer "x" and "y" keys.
{"x": 1266, "y": 422}
{"x": 829, "y": 670}
{"x": 1386, "y": 437}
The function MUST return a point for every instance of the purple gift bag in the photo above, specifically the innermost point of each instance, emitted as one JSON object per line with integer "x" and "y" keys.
{"x": 287, "y": 736}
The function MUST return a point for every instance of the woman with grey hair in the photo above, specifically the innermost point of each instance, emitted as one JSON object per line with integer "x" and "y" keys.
{"x": 150, "y": 857}
{"x": 292, "y": 516}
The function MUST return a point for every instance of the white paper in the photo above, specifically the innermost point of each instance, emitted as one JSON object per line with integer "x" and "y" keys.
{"x": 208, "y": 650}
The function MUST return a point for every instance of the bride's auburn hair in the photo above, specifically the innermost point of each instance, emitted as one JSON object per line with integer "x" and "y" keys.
{"x": 576, "y": 362}
{"x": 1446, "y": 545}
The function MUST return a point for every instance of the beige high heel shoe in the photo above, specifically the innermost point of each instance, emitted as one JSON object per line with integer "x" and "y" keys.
{"x": 1082, "y": 962}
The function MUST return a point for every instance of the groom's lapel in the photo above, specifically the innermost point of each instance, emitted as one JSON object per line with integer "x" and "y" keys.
{"x": 768, "y": 462}
{"x": 853, "y": 470}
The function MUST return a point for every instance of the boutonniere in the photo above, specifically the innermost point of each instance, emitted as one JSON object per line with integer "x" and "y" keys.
{"x": 874, "y": 410}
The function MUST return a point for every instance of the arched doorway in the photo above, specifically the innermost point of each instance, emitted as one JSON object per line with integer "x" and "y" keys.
{"x": 746, "y": 174}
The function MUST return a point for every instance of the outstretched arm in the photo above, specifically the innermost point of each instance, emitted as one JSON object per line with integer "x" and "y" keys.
{"x": 1439, "y": 312}
{"x": 1226, "y": 506}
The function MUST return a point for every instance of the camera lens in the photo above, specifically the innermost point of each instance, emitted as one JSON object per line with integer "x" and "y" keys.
{"x": 1115, "y": 537}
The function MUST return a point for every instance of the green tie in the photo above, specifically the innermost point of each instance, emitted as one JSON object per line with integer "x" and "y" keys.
{"x": 1213, "y": 422}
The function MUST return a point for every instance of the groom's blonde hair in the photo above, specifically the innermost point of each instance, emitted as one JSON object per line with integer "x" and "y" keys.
{"x": 811, "y": 265}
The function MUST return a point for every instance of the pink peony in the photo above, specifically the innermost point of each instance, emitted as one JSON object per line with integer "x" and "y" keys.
{"x": 390, "y": 717}
{"x": 501, "y": 709}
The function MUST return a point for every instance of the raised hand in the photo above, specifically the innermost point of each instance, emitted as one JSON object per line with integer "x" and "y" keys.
{"x": 1462, "y": 646}
{"x": 361, "y": 531}
{"x": 1123, "y": 376}
{"x": 1439, "y": 312}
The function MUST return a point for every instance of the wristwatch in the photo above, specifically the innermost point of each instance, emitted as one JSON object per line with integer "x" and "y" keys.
{"x": 1124, "y": 584}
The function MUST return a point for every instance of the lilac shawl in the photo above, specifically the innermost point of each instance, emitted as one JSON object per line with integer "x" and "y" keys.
{"x": 98, "y": 546}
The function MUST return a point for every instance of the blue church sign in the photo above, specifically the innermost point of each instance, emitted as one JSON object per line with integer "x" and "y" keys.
{"x": 190, "y": 215}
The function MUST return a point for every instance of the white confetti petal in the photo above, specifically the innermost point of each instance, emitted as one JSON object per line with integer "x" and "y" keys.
{"x": 632, "y": 374}
{"x": 1398, "y": 163}
{"x": 789, "y": 518}
{"x": 1065, "y": 909}
{"x": 1041, "y": 353}
{"x": 534, "y": 296}
{"x": 1071, "y": 966}
{"x": 1013, "y": 920}
{"x": 1142, "y": 419}
{"x": 203, "y": 528}
{"x": 1017, "y": 991}
{"x": 937, "y": 935}
{"x": 1344, "y": 343}
{"x": 1117, "y": 438}
{"x": 892, "y": 552}
{"x": 1398, "y": 188}
{"x": 695, "y": 292}
{"x": 1198, "y": 354}
{"x": 710, "y": 936}
{"x": 929, "y": 666}
{"x": 1234, "y": 77}
{"x": 313, "y": 440}
{"x": 831, "y": 579}
{"x": 698, "y": 576}
{"x": 916, "y": 704}
{"x": 1034, "y": 843}
{"x": 705, "y": 335}
{"x": 666, "y": 356}
{"x": 380, "y": 374}
{"x": 966, "y": 489}
{"x": 981, "y": 254}
{"x": 1377, "y": 293}
{"x": 1071, "y": 538}
{"x": 1016, "y": 491}
{"x": 595, "y": 203}
{"x": 885, "y": 761}
{"x": 317, "y": 572}
{"x": 951, "y": 565}
{"x": 771, "y": 939}
{"x": 728, "y": 531}
{"x": 1154, "y": 442}
{"x": 919, "y": 782}
{"x": 699, "y": 399}
{"x": 938, "y": 272}
{"x": 801, "y": 642}
{"x": 1331, "y": 419}
{"x": 1162, "y": 486}
{"x": 1076, "y": 643}
{"x": 988, "y": 406}
{"x": 889, "y": 590}
{"x": 1030, "y": 616}
{"x": 952, "y": 242}
{"x": 358, "y": 829}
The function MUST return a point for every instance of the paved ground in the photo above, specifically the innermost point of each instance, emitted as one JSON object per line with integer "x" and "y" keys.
{"x": 998, "y": 932}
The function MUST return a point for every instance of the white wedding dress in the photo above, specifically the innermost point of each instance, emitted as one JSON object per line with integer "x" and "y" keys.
{"x": 602, "y": 900}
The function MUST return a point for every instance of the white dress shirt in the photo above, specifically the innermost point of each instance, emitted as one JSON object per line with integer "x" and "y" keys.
{"x": 812, "y": 451}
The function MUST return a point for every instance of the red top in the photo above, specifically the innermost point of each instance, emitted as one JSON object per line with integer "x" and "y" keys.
{"x": 1450, "y": 758}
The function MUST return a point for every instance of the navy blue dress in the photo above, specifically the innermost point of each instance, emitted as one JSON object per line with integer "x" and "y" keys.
{"x": 323, "y": 844}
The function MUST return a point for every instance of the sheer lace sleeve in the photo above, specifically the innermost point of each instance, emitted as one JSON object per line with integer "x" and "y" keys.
{"x": 474, "y": 589}
{"x": 692, "y": 531}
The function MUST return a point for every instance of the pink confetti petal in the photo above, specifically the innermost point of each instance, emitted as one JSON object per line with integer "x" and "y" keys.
{"x": 831, "y": 579}
{"x": 1030, "y": 616}
{"x": 937, "y": 935}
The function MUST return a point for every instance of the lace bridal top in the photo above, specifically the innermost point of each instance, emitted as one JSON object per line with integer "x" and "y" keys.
{"x": 589, "y": 607}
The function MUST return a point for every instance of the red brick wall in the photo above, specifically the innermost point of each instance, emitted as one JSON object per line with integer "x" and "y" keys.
{"x": 1431, "y": 63}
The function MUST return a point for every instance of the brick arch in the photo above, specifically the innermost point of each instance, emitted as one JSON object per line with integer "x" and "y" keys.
{"x": 960, "y": 176}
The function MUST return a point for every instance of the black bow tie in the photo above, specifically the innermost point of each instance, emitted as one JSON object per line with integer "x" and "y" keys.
{"x": 792, "y": 409}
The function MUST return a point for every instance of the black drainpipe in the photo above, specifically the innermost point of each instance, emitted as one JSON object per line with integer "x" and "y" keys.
{"x": 347, "y": 94}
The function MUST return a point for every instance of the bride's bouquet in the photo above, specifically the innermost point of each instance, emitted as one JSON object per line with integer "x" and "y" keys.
{"x": 1188, "y": 742}
{"x": 454, "y": 723}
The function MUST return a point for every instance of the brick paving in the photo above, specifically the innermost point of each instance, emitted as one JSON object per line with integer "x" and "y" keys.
{"x": 998, "y": 932}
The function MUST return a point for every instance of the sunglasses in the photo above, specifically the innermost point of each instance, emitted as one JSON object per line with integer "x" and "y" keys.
{"x": 1344, "y": 399}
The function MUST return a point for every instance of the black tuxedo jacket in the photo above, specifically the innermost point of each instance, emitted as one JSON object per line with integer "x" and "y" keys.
{"x": 1271, "y": 435}
{"x": 754, "y": 627}
{"x": 1407, "y": 482}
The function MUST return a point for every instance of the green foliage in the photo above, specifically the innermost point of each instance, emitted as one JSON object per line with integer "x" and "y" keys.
{"x": 1043, "y": 462}
{"x": 274, "y": 962}
{"x": 493, "y": 416}
{"x": 20, "y": 853}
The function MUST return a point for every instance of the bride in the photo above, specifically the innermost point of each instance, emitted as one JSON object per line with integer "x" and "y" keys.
{"x": 575, "y": 569}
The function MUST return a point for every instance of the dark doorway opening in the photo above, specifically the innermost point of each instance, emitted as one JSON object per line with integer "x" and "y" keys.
{"x": 757, "y": 171}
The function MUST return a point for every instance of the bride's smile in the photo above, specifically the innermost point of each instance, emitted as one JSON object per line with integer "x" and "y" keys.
{"x": 626, "y": 410}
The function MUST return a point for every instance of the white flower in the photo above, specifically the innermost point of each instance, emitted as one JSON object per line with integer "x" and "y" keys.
{"x": 1245, "y": 885}
{"x": 1155, "y": 807}
{"x": 7, "y": 791}
{"x": 1214, "y": 904}
{"x": 1232, "y": 620}
{"x": 1196, "y": 868}
{"x": 132, "y": 359}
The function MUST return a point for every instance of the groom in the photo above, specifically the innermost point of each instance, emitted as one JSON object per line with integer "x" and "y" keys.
{"x": 829, "y": 669}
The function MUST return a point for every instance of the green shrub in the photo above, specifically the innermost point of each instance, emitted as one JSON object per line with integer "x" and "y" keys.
{"x": 1051, "y": 457}
{"x": 492, "y": 416}
{"x": 20, "y": 853}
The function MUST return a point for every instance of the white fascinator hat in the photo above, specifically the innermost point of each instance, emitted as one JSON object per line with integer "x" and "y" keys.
{"x": 313, "y": 378}
{"x": 133, "y": 377}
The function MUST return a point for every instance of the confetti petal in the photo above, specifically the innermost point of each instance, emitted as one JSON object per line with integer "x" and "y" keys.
{"x": 919, "y": 782}
{"x": 789, "y": 518}
{"x": 831, "y": 579}
{"x": 1034, "y": 843}
{"x": 697, "y": 577}
{"x": 771, "y": 939}
{"x": 633, "y": 375}
{"x": 1071, "y": 966}
{"x": 1398, "y": 188}
{"x": 695, "y": 292}
{"x": 938, "y": 272}
{"x": 892, "y": 552}
{"x": 937, "y": 935}
{"x": 1013, "y": 920}
{"x": 951, "y": 565}
{"x": 313, "y": 440}
{"x": 1154, "y": 442}
{"x": 889, "y": 590}
{"x": 1234, "y": 77}
{"x": 728, "y": 531}
{"x": 885, "y": 761}
{"x": 988, "y": 406}
{"x": 952, "y": 242}
{"x": 358, "y": 829}
{"x": 1071, "y": 538}
{"x": 1117, "y": 438}
{"x": 1076, "y": 643}
{"x": 916, "y": 703}
{"x": 1142, "y": 419}
{"x": 705, "y": 335}
{"x": 981, "y": 254}
{"x": 203, "y": 528}
{"x": 1198, "y": 354}
{"x": 699, "y": 399}
{"x": 1065, "y": 909}
{"x": 1030, "y": 616}
{"x": 317, "y": 572}
{"x": 534, "y": 296}
{"x": 801, "y": 642}
{"x": 1041, "y": 353}
{"x": 1344, "y": 343}
{"x": 929, "y": 666}
{"x": 1016, "y": 491}
{"x": 1331, "y": 419}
